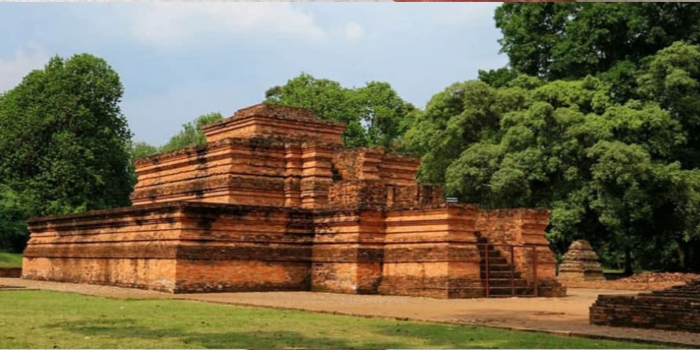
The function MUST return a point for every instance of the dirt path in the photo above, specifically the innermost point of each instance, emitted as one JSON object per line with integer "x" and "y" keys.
{"x": 564, "y": 316}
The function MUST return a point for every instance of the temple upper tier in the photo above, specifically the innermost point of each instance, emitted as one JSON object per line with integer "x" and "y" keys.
{"x": 273, "y": 155}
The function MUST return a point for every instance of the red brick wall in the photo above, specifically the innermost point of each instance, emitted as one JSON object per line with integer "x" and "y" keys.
{"x": 275, "y": 120}
{"x": 431, "y": 252}
{"x": 348, "y": 251}
{"x": 201, "y": 276}
{"x": 156, "y": 274}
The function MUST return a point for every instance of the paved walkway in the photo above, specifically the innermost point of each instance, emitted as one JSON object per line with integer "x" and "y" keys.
{"x": 565, "y": 316}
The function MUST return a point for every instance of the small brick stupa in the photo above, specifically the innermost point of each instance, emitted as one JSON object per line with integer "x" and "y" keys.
{"x": 580, "y": 263}
{"x": 274, "y": 201}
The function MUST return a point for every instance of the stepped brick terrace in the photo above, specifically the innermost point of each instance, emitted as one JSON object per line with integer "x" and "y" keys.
{"x": 675, "y": 308}
{"x": 275, "y": 202}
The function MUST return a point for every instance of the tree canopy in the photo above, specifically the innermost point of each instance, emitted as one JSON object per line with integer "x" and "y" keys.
{"x": 64, "y": 142}
{"x": 595, "y": 117}
{"x": 374, "y": 113}
{"x": 573, "y": 40}
{"x": 191, "y": 134}
{"x": 605, "y": 169}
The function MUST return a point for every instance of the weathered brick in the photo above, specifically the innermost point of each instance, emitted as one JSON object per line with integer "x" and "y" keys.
{"x": 676, "y": 308}
{"x": 274, "y": 201}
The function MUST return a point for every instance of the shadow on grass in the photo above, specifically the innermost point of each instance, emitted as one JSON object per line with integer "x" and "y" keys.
{"x": 412, "y": 335}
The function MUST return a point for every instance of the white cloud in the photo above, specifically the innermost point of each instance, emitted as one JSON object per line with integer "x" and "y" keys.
{"x": 354, "y": 32}
{"x": 172, "y": 23}
{"x": 24, "y": 61}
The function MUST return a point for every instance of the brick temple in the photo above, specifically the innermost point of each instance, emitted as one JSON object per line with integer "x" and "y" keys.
{"x": 274, "y": 201}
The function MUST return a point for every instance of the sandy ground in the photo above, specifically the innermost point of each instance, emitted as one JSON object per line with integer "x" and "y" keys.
{"x": 564, "y": 316}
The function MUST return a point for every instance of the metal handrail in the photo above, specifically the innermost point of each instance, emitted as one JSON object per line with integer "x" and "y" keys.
{"x": 512, "y": 264}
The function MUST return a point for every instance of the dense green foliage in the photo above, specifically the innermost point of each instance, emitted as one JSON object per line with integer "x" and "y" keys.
{"x": 602, "y": 167}
{"x": 13, "y": 213}
{"x": 375, "y": 114}
{"x": 45, "y": 320}
{"x": 191, "y": 135}
{"x": 572, "y": 40}
{"x": 64, "y": 142}
{"x": 603, "y": 129}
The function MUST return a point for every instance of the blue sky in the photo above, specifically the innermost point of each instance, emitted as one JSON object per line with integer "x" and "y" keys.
{"x": 180, "y": 60}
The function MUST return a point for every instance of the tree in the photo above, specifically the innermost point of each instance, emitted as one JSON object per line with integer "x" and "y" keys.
{"x": 671, "y": 77}
{"x": 381, "y": 112}
{"x": 573, "y": 40}
{"x": 64, "y": 141}
{"x": 143, "y": 149}
{"x": 605, "y": 169}
{"x": 373, "y": 113}
{"x": 13, "y": 213}
{"x": 191, "y": 135}
{"x": 498, "y": 77}
{"x": 646, "y": 55}
{"x": 454, "y": 119}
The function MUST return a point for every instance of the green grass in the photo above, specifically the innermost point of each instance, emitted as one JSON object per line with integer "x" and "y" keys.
{"x": 41, "y": 319}
{"x": 10, "y": 259}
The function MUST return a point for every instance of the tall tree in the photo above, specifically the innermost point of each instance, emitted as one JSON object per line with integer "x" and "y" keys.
{"x": 381, "y": 112}
{"x": 191, "y": 134}
{"x": 573, "y": 40}
{"x": 373, "y": 113}
{"x": 605, "y": 169}
{"x": 143, "y": 149}
{"x": 671, "y": 77}
{"x": 13, "y": 215}
{"x": 64, "y": 141}
{"x": 456, "y": 118}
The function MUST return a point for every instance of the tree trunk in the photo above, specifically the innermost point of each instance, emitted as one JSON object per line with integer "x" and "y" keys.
{"x": 628, "y": 262}
{"x": 681, "y": 256}
{"x": 692, "y": 253}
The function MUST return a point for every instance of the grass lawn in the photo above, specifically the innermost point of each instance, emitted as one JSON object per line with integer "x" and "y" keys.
{"x": 10, "y": 259}
{"x": 41, "y": 319}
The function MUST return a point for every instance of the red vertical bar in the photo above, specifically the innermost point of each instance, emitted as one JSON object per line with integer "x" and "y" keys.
{"x": 486, "y": 250}
{"x": 512, "y": 271}
{"x": 534, "y": 268}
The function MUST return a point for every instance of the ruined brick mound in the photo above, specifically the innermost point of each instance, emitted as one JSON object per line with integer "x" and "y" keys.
{"x": 660, "y": 277}
{"x": 674, "y": 308}
{"x": 581, "y": 263}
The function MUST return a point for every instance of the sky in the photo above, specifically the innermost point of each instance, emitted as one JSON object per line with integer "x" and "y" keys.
{"x": 178, "y": 61}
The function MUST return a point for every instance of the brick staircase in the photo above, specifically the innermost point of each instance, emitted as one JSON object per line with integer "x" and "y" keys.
{"x": 504, "y": 281}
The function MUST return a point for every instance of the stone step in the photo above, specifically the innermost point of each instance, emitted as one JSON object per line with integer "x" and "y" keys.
{"x": 665, "y": 310}
{"x": 674, "y": 294}
{"x": 492, "y": 253}
{"x": 508, "y": 292}
{"x": 506, "y": 282}
{"x": 498, "y": 268}
{"x": 500, "y": 274}
{"x": 496, "y": 261}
